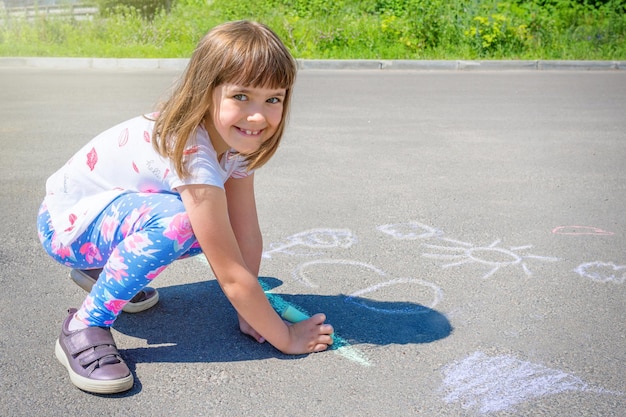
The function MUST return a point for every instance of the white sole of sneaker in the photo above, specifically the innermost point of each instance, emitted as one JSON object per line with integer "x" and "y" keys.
{"x": 91, "y": 385}
{"x": 86, "y": 282}
{"x": 141, "y": 306}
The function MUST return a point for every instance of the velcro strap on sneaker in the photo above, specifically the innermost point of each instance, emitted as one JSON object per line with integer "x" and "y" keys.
{"x": 90, "y": 337}
{"x": 98, "y": 353}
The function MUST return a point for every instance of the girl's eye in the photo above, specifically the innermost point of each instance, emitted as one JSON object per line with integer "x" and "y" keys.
{"x": 273, "y": 100}
{"x": 240, "y": 97}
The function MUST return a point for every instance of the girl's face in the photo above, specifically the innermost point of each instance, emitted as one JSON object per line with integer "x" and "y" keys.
{"x": 243, "y": 118}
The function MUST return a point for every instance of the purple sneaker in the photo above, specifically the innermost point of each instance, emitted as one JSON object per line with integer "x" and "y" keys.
{"x": 92, "y": 360}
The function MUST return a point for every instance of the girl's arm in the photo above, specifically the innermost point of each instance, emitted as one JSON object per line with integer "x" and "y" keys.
{"x": 245, "y": 224}
{"x": 244, "y": 220}
{"x": 207, "y": 207}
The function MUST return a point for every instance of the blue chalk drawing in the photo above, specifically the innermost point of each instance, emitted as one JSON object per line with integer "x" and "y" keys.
{"x": 488, "y": 384}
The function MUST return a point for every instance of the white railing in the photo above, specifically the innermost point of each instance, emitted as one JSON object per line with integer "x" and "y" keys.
{"x": 76, "y": 11}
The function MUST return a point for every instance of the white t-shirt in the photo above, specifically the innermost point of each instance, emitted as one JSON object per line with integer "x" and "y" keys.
{"x": 120, "y": 160}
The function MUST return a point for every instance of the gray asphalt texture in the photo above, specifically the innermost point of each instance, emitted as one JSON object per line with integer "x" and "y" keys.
{"x": 464, "y": 231}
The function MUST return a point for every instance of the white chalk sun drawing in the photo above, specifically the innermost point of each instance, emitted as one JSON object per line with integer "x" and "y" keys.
{"x": 492, "y": 256}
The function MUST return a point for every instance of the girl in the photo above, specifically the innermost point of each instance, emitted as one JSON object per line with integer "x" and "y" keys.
{"x": 170, "y": 185}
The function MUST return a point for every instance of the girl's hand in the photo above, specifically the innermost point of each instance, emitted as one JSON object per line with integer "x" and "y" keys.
{"x": 248, "y": 330}
{"x": 310, "y": 335}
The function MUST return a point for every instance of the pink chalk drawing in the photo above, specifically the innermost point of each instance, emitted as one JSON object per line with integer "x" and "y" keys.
{"x": 580, "y": 230}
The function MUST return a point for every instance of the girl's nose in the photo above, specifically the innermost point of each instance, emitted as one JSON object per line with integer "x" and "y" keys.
{"x": 255, "y": 112}
{"x": 256, "y": 116}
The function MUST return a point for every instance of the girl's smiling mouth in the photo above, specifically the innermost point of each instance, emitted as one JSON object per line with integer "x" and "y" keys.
{"x": 249, "y": 132}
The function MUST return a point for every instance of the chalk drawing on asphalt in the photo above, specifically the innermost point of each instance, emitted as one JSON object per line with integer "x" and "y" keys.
{"x": 492, "y": 256}
{"x": 312, "y": 239}
{"x": 340, "y": 346}
{"x": 410, "y": 231}
{"x": 602, "y": 272}
{"x": 487, "y": 384}
{"x": 580, "y": 230}
{"x": 299, "y": 274}
{"x": 413, "y": 309}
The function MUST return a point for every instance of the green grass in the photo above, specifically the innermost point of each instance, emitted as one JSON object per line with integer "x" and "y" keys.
{"x": 342, "y": 29}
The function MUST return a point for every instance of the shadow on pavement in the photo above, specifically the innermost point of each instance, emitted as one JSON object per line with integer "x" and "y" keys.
{"x": 196, "y": 323}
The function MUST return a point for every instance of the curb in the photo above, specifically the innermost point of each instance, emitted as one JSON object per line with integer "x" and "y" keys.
{"x": 456, "y": 65}
{"x": 179, "y": 64}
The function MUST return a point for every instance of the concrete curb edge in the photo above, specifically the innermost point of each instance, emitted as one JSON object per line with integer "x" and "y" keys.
{"x": 315, "y": 64}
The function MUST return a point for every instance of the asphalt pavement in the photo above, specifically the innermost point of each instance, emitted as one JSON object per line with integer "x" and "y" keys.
{"x": 464, "y": 232}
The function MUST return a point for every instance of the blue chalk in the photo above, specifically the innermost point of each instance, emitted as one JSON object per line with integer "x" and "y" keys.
{"x": 293, "y": 315}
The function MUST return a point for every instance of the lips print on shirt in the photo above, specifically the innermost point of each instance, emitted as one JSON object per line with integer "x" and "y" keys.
{"x": 123, "y": 138}
{"x": 92, "y": 159}
{"x": 191, "y": 150}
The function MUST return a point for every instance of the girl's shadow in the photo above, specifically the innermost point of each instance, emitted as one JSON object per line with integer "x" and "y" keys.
{"x": 196, "y": 323}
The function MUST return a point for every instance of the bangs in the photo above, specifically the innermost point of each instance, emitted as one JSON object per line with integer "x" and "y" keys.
{"x": 260, "y": 73}
{"x": 256, "y": 58}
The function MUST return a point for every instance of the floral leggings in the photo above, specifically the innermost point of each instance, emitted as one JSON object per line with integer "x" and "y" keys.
{"x": 133, "y": 239}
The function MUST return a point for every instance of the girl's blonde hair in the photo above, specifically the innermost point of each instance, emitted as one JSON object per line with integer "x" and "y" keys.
{"x": 241, "y": 52}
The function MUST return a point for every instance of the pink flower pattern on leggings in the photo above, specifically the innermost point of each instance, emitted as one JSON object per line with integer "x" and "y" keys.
{"x": 179, "y": 229}
{"x": 115, "y": 305}
{"x": 116, "y": 268}
{"x": 134, "y": 219}
{"x": 64, "y": 252}
{"x": 138, "y": 244}
{"x": 154, "y": 273}
{"x": 134, "y": 239}
{"x": 90, "y": 252}
{"x": 110, "y": 224}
